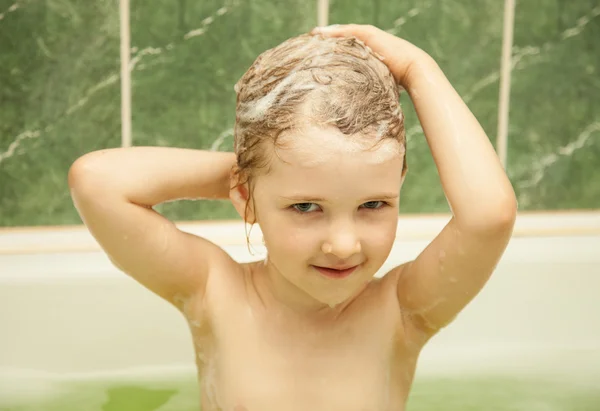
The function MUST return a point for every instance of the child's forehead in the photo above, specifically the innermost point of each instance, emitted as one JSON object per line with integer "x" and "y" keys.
{"x": 317, "y": 146}
{"x": 329, "y": 166}
{"x": 342, "y": 178}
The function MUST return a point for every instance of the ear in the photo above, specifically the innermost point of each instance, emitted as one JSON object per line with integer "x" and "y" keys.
{"x": 239, "y": 194}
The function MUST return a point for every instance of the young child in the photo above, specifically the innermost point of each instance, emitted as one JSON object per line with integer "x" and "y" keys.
{"x": 319, "y": 161}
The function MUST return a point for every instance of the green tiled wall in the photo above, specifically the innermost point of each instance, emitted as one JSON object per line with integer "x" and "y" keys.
{"x": 60, "y": 94}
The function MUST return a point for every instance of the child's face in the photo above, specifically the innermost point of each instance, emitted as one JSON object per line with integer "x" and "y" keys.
{"x": 327, "y": 202}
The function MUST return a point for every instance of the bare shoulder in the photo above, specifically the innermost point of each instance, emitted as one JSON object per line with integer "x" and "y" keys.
{"x": 390, "y": 279}
{"x": 381, "y": 291}
{"x": 229, "y": 273}
{"x": 223, "y": 276}
{"x": 379, "y": 300}
{"x": 228, "y": 281}
{"x": 408, "y": 330}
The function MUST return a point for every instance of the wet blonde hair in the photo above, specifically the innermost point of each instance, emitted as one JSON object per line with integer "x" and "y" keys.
{"x": 318, "y": 81}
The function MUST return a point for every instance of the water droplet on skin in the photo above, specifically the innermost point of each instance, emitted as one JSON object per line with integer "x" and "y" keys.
{"x": 202, "y": 357}
{"x": 442, "y": 256}
{"x": 182, "y": 303}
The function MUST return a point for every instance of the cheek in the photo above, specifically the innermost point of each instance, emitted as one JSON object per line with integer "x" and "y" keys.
{"x": 380, "y": 236}
{"x": 298, "y": 240}
{"x": 284, "y": 236}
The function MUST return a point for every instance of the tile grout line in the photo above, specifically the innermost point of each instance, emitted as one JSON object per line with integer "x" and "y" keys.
{"x": 505, "y": 81}
{"x": 125, "y": 40}
{"x": 322, "y": 13}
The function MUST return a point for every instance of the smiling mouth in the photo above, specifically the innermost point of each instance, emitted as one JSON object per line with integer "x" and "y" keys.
{"x": 333, "y": 273}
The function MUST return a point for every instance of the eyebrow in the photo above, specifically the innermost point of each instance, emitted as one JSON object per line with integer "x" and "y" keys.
{"x": 309, "y": 199}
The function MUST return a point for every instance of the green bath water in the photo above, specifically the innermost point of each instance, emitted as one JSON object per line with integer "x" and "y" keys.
{"x": 474, "y": 393}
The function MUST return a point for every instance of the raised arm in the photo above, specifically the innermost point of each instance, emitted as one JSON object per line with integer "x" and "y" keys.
{"x": 446, "y": 276}
{"x": 459, "y": 261}
{"x": 114, "y": 191}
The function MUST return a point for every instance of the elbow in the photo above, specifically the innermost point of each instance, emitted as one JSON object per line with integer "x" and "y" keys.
{"x": 79, "y": 187}
{"x": 86, "y": 175}
{"x": 503, "y": 216}
{"x": 76, "y": 173}
{"x": 499, "y": 217}
{"x": 89, "y": 166}
{"x": 506, "y": 210}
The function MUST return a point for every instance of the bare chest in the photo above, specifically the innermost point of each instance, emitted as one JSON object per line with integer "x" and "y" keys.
{"x": 259, "y": 361}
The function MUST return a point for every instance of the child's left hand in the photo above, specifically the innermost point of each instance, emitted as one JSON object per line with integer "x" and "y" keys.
{"x": 399, "y": 55}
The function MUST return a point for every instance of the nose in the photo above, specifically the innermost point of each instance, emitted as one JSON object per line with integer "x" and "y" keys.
{"x": 343, "y": 242}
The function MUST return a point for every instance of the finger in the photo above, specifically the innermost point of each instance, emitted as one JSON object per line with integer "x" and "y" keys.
{"x": 328, "y": 31}
{"x": 362, "y": 32}
{"x": 325, "y": 29}
{"x": 337, "y": 29}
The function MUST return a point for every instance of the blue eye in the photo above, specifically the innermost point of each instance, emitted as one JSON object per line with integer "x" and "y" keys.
{"x": 303, "y": 207}
{"x": 373, "y": 204}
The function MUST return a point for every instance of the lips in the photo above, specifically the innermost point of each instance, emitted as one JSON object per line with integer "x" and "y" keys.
{"x": 336, "y": 273}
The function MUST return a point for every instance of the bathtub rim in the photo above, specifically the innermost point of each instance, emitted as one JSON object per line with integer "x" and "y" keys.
{"x": 411, "y": 227}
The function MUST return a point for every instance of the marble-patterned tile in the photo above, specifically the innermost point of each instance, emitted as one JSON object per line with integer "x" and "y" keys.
{"x": 466, "y": 42}
{"x": 187, "y": 57}
{"x": 60, "y": 96}
{"x": 554, "y": 134}
{"x": 59, "y": 99}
